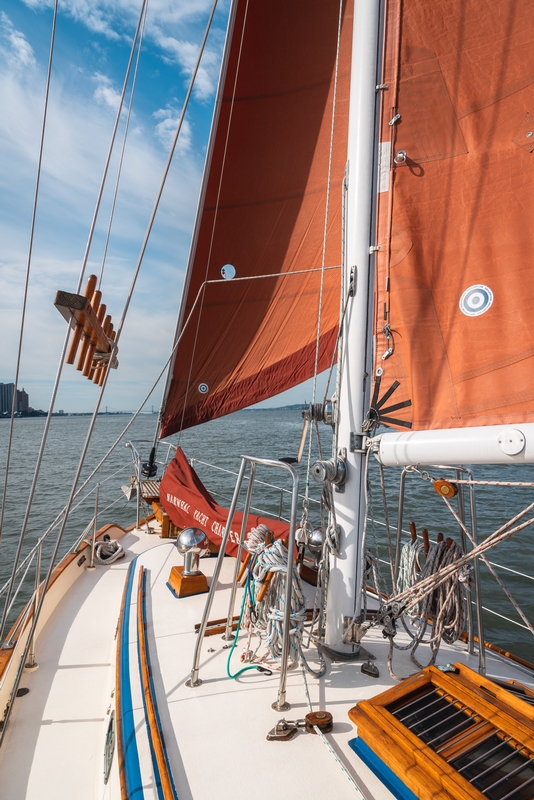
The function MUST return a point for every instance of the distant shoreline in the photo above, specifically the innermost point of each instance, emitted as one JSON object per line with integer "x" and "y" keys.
{"x": 41, "y": 414}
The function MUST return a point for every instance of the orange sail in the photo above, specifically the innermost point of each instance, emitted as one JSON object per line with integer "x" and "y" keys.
{"x": 271, "y": 205}
{"x": 455, "y": 283}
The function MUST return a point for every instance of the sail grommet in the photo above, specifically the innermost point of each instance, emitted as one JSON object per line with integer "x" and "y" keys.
{"x": 400, "y": 157}
{"x": 203, "y": 388}
{"x": 445, "y": 488}
{"x": 228, "y": 272}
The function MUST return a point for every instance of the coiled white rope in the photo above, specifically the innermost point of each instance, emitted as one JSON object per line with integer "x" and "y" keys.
{"x": 444, "y": 606}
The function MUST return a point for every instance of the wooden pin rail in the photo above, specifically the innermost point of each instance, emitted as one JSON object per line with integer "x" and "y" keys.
{"x": 93, "y": 330}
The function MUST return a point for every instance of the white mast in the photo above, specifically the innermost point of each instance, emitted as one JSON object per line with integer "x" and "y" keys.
{"x": 345, "y": 576}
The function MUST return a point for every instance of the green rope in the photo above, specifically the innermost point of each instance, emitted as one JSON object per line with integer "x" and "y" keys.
{"x": 250, "y": 666}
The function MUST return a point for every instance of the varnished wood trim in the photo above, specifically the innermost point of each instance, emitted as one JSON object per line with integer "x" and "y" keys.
{"x": 155, "y": 733}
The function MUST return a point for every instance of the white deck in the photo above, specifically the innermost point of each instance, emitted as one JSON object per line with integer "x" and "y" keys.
{"x": 215, "y": 733}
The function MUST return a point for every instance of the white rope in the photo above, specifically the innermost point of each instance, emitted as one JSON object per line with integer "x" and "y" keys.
{"x": 325, "y": 741}
{"x": 490, "y": 568}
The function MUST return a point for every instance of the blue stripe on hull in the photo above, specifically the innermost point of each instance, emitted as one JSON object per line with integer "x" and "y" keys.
{"x": 131, "y": 755}
{"x": 383, "y": 772}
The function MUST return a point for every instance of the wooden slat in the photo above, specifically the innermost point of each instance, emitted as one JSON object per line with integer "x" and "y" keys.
{"x": 402, "y": 762}
{"x": 155, "y": 733}
{"x": 81, "y": 308}
{"x": 78, "y": 329}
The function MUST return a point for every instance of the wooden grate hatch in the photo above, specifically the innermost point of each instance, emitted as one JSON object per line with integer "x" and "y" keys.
{"x": 454, "y": 735}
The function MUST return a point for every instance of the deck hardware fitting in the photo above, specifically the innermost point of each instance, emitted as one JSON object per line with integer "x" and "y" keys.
{"x": 322, "y": 720}
{"x": 370, "y": 669}
{"x": 285, "y": 729}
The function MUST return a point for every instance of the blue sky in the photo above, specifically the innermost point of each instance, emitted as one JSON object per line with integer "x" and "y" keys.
{"x": 93, "y": 41}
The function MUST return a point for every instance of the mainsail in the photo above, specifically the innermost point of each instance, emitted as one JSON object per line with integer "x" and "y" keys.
{"x": 455, "y": 286}
{"x": 270, "y": 209}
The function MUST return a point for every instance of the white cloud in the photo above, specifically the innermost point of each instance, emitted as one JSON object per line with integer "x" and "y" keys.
{"x": 167, "y": 22}
{"x": 105, "y": 93}
{"x": 14, "y": 46}
{"x": 166, "y": 129}
{"x": 185, "y": 53}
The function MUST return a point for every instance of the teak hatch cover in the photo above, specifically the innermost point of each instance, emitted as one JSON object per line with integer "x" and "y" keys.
{"x": 454, "y": 734}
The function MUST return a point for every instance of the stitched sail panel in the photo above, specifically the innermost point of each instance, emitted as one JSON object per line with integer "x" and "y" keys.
{"x": 263, "y": 212}
{"x": 455, "y": 281}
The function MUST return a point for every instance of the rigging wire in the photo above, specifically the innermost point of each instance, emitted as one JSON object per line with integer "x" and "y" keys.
{"x": 28, "y": 266}
{"x": 63, "y": 352}
{"x": 121, "y": 159}
{"x": 68, "y": 506}
{"x": 140, "y": 22}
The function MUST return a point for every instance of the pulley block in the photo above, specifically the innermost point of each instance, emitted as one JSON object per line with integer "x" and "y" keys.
{"x": 320, "y": 719}
{"x": 446, "y": 488}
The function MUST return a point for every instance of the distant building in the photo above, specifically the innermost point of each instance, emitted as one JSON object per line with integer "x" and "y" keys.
{"x": 23, "y": 401}
{"x": 6, "y": 397}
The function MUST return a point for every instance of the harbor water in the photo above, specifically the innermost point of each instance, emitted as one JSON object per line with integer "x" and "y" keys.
{"x": 216, "y": 448}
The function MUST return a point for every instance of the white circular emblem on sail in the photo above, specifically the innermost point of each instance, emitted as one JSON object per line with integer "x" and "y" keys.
{"x": 203, "y": 388}
{"x": 476, "y": 300}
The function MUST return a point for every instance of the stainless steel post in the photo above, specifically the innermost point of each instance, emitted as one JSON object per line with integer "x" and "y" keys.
{"x": 399, "y": 527}
{"x": 31, "y": 663}
{"x": 281, "y": 704}
{"x": 461, "y": 514}
{"x": 91, "y": 564}
{"x": 194, "y": 680}
{"x": 478, "y": 600}
{"x": 229, "y": 634}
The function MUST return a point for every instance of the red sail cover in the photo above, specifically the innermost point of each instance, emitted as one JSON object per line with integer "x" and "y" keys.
{"x": 455, "y": 277}
{"x": 188, "y": 503}
{"x": 263, "y": 210}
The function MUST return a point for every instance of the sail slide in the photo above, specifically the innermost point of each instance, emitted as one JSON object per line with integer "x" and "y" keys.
{"x": 188, "y": 503}
{"x": 455, "y": 284}
{"x": 270, "y": 212}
